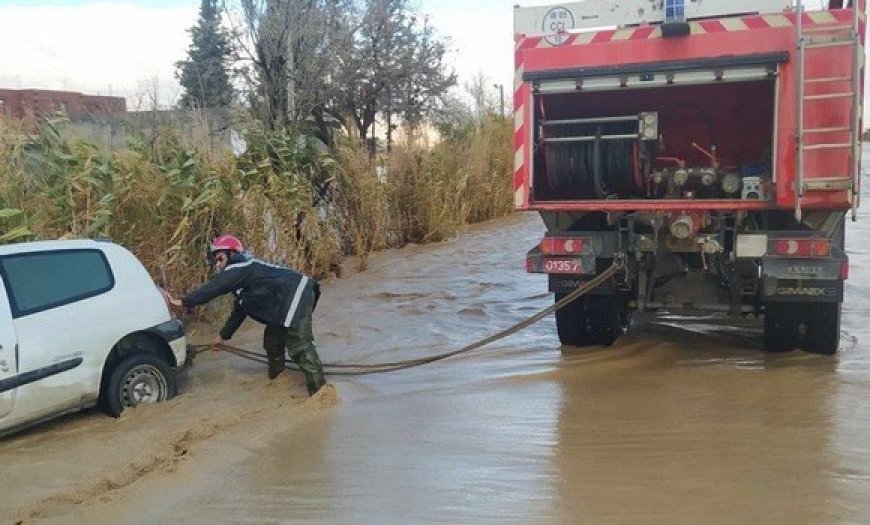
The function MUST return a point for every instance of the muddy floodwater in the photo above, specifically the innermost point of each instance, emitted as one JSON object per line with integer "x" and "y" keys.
{"x": 683, "y": 421}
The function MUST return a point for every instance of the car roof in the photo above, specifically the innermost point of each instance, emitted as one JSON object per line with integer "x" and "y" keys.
{"x": 38, "y": 246}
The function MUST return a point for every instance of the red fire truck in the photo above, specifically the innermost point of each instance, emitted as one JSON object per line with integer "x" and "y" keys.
{"x": 713, "y": 147}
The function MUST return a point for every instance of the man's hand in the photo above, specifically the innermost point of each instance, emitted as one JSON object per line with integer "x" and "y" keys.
{"x": 172, "y": 301}
{"x": 217, "y": 342}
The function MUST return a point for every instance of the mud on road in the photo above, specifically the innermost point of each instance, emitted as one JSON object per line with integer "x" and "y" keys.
{"x": 85, "y": 458}
{"x": 683, "y": 421}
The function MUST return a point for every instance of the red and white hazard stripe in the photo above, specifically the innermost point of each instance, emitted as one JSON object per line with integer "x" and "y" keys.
{"x": 521, "y": 130}
{"x": 697, "y": 28}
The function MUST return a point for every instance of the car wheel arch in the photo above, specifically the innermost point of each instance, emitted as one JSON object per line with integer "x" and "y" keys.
{"x": 141, "y": 341}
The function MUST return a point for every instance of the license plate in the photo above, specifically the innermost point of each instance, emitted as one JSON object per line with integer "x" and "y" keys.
{"x": 563, "y": 266}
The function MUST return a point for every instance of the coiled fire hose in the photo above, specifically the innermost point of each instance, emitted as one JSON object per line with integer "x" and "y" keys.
{"x": 358, "y": 369}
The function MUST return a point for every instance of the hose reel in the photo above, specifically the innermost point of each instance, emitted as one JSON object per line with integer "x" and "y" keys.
{"x": 596, "y": 158}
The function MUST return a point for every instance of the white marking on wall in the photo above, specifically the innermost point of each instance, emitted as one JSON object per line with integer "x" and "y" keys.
{"x": 519, "y": 118}
{"x": 822, "y": 17}
{"x": 777, "y": 21}
{"x": 733, "y": 24}
{"x": 622, "y": 34}
{"x": 584, "y": 38}
{"x": 696, "y": 29}
{"x": 520, "y": 197}
{"x": 519, "y": 159}
{"x": 518, "y": 77}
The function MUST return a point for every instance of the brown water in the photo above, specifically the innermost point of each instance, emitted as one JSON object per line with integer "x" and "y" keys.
{"x": 683, "y": 421}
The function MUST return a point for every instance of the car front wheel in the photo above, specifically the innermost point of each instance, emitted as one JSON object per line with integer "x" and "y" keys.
{"x": 138, "y": 379}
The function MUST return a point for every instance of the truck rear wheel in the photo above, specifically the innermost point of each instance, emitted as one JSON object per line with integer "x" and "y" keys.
{"x": 823, "y": 328}
{"x": 594, "y": 320}
{"x": 821, "y": 321}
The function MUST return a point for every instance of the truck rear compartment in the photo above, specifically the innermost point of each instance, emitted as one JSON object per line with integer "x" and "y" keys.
{"x": 712, "y": 141}
{"x": 707, "y": 151}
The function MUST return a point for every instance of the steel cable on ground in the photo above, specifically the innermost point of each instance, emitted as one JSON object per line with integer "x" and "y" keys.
{"x": 357, "y": 369}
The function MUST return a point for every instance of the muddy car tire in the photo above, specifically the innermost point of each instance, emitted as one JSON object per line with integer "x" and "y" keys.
{"x": 823, "y": 328}
{"x": 595, "y": 320}
{"x": 781, "y": 322}
{"x": 141, "y": 378}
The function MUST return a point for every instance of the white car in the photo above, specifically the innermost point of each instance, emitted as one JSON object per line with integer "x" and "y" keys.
{"x": 81, "y": 324}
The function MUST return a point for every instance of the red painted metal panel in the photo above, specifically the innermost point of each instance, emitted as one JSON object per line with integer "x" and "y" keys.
{"x": 650, "y": 205}
{"x": 603, "y": 37}
{"x": 756, "y": 22}
{"x": 642, "y": 33}
{"x": 712, "y": 26}
{"x": 832, "y": 201}
{"x": 612, "y": 53}
{"x": 720, "y": 38}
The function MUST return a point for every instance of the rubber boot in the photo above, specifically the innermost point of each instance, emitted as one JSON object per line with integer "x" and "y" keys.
{"x": 309, "y": 364}
{"x": 300, "y": 347}
{"x": 274, "y": 339}
{"x": 276, "y": 366}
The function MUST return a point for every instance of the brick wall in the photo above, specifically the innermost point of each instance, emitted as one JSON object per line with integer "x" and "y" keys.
{"x": 20, "y": 103}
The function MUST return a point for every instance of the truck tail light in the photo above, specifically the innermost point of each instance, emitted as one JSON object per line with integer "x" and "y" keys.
{"x": 562, "y": 245}
{"x": 844, "y": 270}
{"x": 802, "y": 247}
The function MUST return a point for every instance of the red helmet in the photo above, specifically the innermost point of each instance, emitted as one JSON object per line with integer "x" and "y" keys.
{"x": 226, "y": 242}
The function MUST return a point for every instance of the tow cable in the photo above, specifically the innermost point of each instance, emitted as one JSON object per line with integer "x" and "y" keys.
{"x": 358, "y": 369}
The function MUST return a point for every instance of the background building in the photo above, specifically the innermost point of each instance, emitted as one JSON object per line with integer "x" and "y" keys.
{"x": 27, "y": 103}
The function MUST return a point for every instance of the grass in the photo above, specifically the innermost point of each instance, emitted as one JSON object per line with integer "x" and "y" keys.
{"x": 167, "y": 193}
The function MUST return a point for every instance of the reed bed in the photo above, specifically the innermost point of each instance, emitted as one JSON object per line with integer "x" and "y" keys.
{"x": 170, "y": 190}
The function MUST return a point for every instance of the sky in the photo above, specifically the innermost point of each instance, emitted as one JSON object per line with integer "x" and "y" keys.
{"x": 129, "y": 47}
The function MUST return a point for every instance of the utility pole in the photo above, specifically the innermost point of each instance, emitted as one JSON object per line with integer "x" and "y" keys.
{"x": 389, "y": 119}
{"x": 500, "y": 88}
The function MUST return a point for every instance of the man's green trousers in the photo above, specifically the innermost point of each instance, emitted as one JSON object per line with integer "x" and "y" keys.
{"x": 299, "y": 345}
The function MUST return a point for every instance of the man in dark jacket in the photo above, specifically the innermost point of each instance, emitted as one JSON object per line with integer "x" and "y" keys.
{"x": 280, "y": 298}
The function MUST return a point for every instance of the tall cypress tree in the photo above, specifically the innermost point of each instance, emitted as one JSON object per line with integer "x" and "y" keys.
{"x": 204, "y": 74}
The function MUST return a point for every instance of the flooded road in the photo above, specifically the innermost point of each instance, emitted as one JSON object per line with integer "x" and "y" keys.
{"x": 683, "y": 421}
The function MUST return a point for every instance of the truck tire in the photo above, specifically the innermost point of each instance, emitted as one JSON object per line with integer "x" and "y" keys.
{"x": 594, "y": 320}
{"x": 571, "y": 322}
{"x": 823, "y": 328}
{"x": 140, "y": 378}
{"x": 781, "y": 322}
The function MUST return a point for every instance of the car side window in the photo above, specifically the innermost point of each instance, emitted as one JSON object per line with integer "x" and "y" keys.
{"x": 40, "y": 281}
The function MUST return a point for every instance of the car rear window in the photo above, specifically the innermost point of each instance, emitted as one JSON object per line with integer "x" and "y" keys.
{"x": 42, "y": 280}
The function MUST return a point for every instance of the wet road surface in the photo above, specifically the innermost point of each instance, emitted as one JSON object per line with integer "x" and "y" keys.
{"x": 683, "y": 421}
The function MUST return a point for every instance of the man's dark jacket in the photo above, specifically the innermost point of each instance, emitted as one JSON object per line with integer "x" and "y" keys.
{"x": 270, "y": 294}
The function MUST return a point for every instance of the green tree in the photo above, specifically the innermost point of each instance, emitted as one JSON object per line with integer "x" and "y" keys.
{"x": 204, "y": 75}
{"x": 295, "y": 47}
{"x": 395, "y": 67}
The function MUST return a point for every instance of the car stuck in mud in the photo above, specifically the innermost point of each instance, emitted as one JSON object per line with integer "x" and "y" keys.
{"x": 81, "y": 324}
